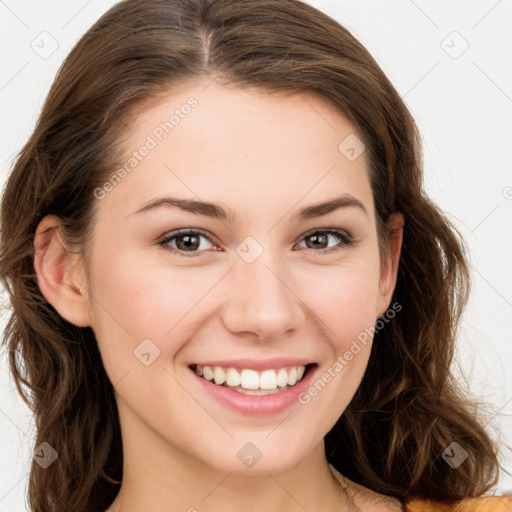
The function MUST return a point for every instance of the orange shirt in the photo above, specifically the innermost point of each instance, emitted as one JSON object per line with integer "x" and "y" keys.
{"x": 482, "y": 504}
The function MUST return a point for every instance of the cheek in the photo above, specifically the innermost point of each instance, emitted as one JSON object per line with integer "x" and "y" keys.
{"x": 135, "y": 301}
{"x": 343, "y": 299}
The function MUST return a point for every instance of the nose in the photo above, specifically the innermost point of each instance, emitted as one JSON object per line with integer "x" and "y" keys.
{"x": 262, "y": 300}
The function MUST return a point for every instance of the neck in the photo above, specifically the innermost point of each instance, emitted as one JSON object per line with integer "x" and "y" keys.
{"x": 163, "y": 478}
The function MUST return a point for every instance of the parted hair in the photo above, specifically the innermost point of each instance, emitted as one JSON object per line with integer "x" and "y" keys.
{"x": 408, "y": 408}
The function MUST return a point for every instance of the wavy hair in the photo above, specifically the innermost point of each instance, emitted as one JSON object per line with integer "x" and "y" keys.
{"x": 408, "y": 407}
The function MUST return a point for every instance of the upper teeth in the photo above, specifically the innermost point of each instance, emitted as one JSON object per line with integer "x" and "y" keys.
{"x": 252, "y": 379}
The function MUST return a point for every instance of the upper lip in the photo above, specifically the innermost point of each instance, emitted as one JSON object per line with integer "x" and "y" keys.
{"x": 254, "y": 364}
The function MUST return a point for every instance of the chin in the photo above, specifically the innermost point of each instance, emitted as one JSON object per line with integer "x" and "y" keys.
{"x": 260, "y": 453}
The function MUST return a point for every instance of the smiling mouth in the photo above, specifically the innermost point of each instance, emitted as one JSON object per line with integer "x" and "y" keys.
{"x": 253, "y": 382}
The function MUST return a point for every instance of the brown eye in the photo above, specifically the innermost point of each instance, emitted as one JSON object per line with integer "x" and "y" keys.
{"x": 186, "y": 241}
{"x": 320, "y": 240}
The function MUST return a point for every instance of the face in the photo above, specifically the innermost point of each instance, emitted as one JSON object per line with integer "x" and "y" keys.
{"x": 272, "y": 284}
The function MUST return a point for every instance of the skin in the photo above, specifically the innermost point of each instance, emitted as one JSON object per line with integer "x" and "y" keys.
{"x": 265, "y": 157}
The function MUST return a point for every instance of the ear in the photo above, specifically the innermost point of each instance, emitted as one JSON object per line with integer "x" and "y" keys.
{"x": 389, "y": 268}
{"x": 60, "y": 273}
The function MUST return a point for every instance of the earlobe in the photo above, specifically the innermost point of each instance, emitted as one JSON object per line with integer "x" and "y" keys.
{"x": 389, "y": 272}
{"x": 59, "y": 273}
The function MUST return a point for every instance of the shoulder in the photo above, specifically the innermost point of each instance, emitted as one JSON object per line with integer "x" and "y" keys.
{"x": 367, "y": 499}
{"x": 482, "y": 504}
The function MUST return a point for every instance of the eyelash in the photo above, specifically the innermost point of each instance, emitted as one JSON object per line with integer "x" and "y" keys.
{"x": 344, "y": 236}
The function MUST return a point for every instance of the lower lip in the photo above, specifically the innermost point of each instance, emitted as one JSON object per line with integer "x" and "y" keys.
{"x": 254, "y": 405}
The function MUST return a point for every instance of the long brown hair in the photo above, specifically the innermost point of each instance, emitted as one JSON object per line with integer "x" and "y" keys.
{"x": 408, "y": 408}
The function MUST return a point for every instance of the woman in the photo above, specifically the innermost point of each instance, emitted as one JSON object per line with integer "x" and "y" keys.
{"x": 186, "y": 342}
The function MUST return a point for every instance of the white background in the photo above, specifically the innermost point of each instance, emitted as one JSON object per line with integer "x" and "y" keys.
{"x": 463, "y": 107}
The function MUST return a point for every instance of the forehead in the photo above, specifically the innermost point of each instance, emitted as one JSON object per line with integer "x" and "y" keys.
{"x": 250, "y": 149}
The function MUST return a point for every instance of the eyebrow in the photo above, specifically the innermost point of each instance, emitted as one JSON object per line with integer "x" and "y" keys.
{"x": 218, "y": 212}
